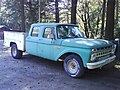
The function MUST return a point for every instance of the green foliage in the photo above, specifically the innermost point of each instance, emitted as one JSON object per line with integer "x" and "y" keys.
{"x": 10, "y": 14}
{"x": 90, "y": 13}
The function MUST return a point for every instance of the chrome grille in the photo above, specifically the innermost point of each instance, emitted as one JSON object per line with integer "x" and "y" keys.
{"x": 103, "y": 48}
{"x": 102, "y": 53}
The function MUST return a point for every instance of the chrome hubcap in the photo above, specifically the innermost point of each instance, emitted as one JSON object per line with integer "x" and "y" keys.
{"x": 14, "y": 52}
{"x": 72, "y": 66}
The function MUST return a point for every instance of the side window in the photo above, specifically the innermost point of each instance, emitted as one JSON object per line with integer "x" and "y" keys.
{"x": 62, "y": 31}
{"x": 35, "y": 31}
{"x": 48, "y": 32}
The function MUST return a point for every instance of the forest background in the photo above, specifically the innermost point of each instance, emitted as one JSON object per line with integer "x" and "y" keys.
{"x": 96, "y": 18}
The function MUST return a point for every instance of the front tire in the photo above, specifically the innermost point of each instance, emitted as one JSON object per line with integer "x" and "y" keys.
{"x": 73, "y": 66}
{"x": 16, "y": 54}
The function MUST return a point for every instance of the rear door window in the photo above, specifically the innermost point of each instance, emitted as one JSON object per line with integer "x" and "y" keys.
{"x": 35, "y": 31}
{"x": 48, "y": 32}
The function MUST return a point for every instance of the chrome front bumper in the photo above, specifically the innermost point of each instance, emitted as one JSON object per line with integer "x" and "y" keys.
{"x": 101, "y": 63}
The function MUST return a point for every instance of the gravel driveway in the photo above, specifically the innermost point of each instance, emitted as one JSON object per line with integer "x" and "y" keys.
{"x": 34, "y": 73}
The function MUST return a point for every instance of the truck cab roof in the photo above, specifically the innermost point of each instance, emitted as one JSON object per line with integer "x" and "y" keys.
{"x": 49, "y": 24}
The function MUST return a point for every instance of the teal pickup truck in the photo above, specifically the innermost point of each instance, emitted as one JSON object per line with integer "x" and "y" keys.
{"x": 61, "y": 42}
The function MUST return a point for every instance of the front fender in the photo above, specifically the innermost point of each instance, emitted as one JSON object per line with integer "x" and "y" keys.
{"x": 83, "y": 53}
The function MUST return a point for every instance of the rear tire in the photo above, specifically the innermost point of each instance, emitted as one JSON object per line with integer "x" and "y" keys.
{"x": 16, "y": 54}
{"x": 73, "y": 66}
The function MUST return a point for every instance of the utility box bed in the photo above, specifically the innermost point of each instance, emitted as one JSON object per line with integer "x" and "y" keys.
{"x": 11, "y": 37}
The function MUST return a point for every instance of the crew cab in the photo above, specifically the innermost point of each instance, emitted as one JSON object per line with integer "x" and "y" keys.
{"x": 61, "y": 42}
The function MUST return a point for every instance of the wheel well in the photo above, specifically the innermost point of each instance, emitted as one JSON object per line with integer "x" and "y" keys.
{"x": 11, "y": 43}
{"x": 67, "y": 54}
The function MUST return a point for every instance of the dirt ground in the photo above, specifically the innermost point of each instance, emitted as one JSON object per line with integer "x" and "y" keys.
{"x": 34, "y": 73}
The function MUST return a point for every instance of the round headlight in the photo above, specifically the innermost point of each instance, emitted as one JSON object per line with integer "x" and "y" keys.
{"x": 94, "y": 50}
{"x": 93, "y": 57}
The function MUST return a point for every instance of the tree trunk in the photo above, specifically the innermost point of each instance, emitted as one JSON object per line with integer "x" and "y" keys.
{"x": 22, "y": 15}
{"x": 98, "y": 20}
{"x": 117, "y": 10}
{"x": 68, "y": 4}
{"x": 0, "y": 15}
{"x": 56, "y": 12}
{"x": 39, "y": 7}
{"x": 73, "y": 11}
{"x": 103, "y": 18}
{"x": 109, "y": 32}
{"x": 84, "y": 19}
{"x": 88, "y": 19}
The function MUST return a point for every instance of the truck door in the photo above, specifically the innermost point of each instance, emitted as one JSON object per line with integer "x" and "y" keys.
{"x": 32, "y": 39}
{"x": 45, "y": 44}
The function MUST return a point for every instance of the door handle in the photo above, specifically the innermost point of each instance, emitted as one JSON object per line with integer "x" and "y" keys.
{"x": 28, "y": 37}
{"x": 40, "y": 39}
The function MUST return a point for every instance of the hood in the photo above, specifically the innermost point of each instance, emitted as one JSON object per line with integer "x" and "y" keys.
{"x": 86, "y": 43}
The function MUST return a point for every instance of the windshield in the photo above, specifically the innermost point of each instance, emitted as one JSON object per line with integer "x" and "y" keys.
{"x": 68, "y": 31}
